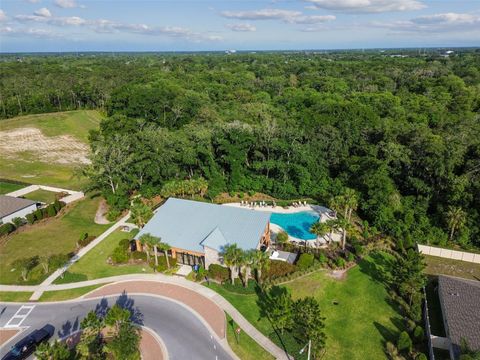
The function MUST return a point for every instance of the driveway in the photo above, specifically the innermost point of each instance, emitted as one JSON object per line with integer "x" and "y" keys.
{"x": 184, "y": 335}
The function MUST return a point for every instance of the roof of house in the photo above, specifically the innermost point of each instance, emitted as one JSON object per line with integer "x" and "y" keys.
{"x": 190, "y": 225}
{"x": 11, "y": 204}
{"x": 460, "y": 300}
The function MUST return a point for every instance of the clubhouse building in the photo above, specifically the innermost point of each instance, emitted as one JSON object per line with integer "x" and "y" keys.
{"x": 198, "y": 231}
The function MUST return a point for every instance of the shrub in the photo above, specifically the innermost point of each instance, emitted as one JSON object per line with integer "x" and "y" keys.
{"x": 358, "y": 249}
{"x": 350, "y": 257}
{"x": 421, "y": 356}
{"x": 251, "y": 193}
{"x": 51, "y": 212}
{"x": 238, "y": 288}
{"x": 38, "y": 214}
{"x": 137, "y": 255}
{"x": 404, "y": 342}
{"x": 340, "y": 262}
{"x": 241, "y": 195}
{"x": 218, "y": 272}
{"x": 200, "y": 273}
{"x": 418, "y": 333}
{"x": 322, "y": 258}
{"x": 30, "y": 218}
{"x": 162, "y": 263}
{"x": 57, "y": 205}
{"x": 277, "y": 269}
{"x": 18, "y": 222}
{"x": 85, "y": 240}
{"x": 6, "y": 229}
{"x": 124, "y": 244}
{"x": 305, "y": 261}
{"x": 113, "y": 214}
{"x": 57, "y": 260}
{"x": 119, "y": 255}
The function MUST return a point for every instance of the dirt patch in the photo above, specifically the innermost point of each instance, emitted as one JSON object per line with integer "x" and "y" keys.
{"x": 63, "y": 149}
{"x": 338, "y": 274}
{"x": 6, "y": 335}
{"x": 101, "y": 212}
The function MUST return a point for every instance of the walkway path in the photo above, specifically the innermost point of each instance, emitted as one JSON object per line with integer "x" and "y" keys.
{"x": 248, "y": 328}
{"x": 48, "y": 281}
{"x": 72, "y": 195}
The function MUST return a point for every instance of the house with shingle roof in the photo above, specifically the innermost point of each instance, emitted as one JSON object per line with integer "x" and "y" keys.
{"x": 460, "y": 304}
{"x": 12, "y": 207}
{"x": 198, "y": 231}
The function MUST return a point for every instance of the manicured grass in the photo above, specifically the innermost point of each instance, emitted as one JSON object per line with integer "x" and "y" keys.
{"x": 437, "y": 266}
{"x": 54, "y": 236}
{"x": 6, "y": 187}
{"x": 25, "y": 166}
{"x": 94, "y": 264}
{"x": 356, "y": 328}
{"x": 243, "y": 345}
{"x": 11, "y": 296}
{"x": 44, "y": 196}
{"x": 60, "y": 295}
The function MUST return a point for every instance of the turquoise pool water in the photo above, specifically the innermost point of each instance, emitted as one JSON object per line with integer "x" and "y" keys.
{"x": 296, "y": 224}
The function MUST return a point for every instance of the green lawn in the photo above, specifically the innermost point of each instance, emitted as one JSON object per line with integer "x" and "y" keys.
{"x": 25, "y": 165}
{"x": 55, "y": 236}
{"x": 356, "y": 328}
{"x": 243, "y": 345}
{"x": 94, "y": 264}
{"x": 6, "y": 187}
{"x": 44, "y": 196}
{"x": 60, "y": 295}
{"x": 20, "y": 296}
{"x": 437, "y": 265}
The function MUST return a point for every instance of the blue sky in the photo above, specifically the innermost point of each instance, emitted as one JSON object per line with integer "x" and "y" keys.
{"x": 164, "y": 25}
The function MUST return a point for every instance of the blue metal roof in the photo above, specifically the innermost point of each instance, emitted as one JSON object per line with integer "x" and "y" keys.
{"x": 189, "y": 225}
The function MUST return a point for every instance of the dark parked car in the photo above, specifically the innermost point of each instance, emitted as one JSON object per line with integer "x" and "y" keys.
{"x": 27, "y": 345}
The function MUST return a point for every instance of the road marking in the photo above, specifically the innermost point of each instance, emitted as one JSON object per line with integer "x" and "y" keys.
{"x": 20, "y": 316}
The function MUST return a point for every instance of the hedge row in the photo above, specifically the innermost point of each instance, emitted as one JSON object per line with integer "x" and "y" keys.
{"x": 46, "y": 212}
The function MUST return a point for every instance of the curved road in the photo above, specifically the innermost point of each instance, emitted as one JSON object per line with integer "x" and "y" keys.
{"x": 183, "y": 334}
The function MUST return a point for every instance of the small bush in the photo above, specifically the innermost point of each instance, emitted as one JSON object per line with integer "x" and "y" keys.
{"x": 124, "y": 244}
{"x": 6, "y": 229}
{"x": 322, "y": 258}
{"x": 137, "y": 255}
{"x": 51, "y": 212}
{"x": 358, "y": 249}
{"x": 238, "y": 288}
{"x": 282, "y": 237}
{"x": 305, "y": 261}
{"x": 418, "y": 333}
{"x": 340, "y": 262}
{"x": 119, "y": 255}
{"x": 350, "y": 257}
{"x": 85, "y": 240}
{"x": 421, "y": 356}
{"x": 218, "y": 272}
{"x": 162, "y": 263}
{"x": 200, "y": 273}
{"x": 404, "y": 342}
{"x": 241, "y": 195}
{"x": 113, "y": 214}
{"x": 58, "y": 260}
{"x": 18, "y": 222}
{"x": 30, "y": 218}
{"x": 38, "y": 214}
{"x": 251, "y": 193}
{"x": 277, "y": 269}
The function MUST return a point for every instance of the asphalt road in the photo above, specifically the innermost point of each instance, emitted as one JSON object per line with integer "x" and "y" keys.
{"x": 183, "y": 334}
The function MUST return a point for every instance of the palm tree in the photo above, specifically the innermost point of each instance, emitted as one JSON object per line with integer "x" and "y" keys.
{"x": 141, "y": 213}
{"x": 332, "y": 225}
{"x": 320, "y": 229}
{"x": 345, "y": 225}
{"x": 456, "y": 218}
{"x": 247, "y": 263}
{"x": 165, "y": 247}
{"x": 149, "y": 241}
{"x": 351, "y": 202}
{"x": 261, "y": 261}
{"x": 232, "y": 256}
{"x": 116, "y": 315}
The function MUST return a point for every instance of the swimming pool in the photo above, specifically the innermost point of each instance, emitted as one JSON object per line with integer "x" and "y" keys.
{"x": 296, "y": 224}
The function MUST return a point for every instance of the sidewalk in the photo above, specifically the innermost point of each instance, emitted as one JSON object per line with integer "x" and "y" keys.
{"x": 48, "y": 281}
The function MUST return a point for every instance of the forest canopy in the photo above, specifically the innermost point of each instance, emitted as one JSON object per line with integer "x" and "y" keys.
{"x": 403, "y": 132}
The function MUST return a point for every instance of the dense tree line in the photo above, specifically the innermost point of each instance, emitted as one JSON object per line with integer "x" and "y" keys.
{"x": 404, "y": 133}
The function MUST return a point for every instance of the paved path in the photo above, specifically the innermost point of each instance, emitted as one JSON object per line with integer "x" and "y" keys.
{"x": 72, "y": 195}
{"x": 48, "y": 281}
{"x": 182, "y": 331}
{"x": 248, "y": 328}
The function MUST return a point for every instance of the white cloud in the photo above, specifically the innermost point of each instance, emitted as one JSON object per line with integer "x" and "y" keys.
{"x": 30, "y": 32}
{"x": 245, "y": 27}
{"x": 3, "y": 16}
{"x": 368, "y": 6}
{"x": 66, "y": 4}
{"x": 44, "y": 12}
{"x": 34, "y": 1}
{"x": 436, "y": 23}
{"x": 287, "y": 16}
{"x": 57, "y": 21}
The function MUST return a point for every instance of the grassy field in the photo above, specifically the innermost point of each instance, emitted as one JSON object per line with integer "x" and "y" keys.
{"x": 437, "y": 265}
{"x": 356, "y": 328}
{"x": 19, "y": 296}
{"x": 60, "y": 295}
{"x": 54, "y": 236}
{"x": 243, "y": 345}
{"x": 94, "y": 264}
{"x": 25, "y": 166}
{"x": 41, "y": 196}
{"x": 6, "y": 187}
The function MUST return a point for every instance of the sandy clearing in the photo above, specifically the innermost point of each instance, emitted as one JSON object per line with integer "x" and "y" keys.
{"x": 63, "y": 149}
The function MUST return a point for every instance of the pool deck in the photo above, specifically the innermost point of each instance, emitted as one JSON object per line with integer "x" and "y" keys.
{"x": 275, "y": 229}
